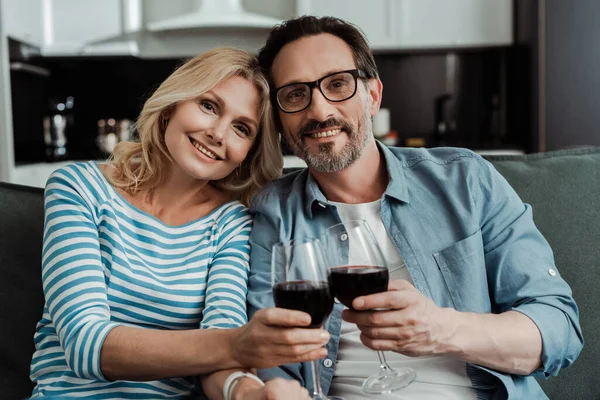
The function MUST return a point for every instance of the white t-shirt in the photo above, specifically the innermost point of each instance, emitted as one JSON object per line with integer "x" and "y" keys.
{"x": 438, "y": 377}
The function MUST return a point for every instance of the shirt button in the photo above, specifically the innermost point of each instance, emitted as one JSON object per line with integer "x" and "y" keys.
{"x": 551, "y": 272}
{"x": 327, "y": 363}
{"x": 344, "y": 237}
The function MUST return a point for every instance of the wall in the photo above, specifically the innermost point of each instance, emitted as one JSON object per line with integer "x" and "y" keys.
{"x": 6, "y": 139}
{"x": 572, "y": 81}
{"x": 116, "y": 88}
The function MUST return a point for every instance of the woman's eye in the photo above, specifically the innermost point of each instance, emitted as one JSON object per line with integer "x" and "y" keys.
{"x": 243, "y": 130}
{"x": 207, "y": 105}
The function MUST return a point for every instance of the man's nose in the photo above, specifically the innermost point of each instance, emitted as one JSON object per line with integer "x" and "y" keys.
{"x": 320, "y": 109}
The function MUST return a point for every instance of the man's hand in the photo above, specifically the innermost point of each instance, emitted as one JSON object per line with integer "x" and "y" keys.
{"x": 276, "y": 336}
{"x": 403, "y": 320}
{"x": 273, "y": 390}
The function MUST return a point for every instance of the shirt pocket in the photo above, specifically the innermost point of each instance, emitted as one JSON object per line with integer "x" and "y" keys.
{"x": 463, "y": 269}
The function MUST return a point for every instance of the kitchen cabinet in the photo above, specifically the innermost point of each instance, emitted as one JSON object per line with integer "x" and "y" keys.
{"x": 120, "y": 27}
{"x": 71, "y": 24}
{"x": 22, "y": 20}
{"x": 422, "y": 24}
{"x": 455, "y": 23}
{"x": 376, "y": 18}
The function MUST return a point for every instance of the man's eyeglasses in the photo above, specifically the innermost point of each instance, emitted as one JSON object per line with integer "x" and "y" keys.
{"x": 335, "y": 87}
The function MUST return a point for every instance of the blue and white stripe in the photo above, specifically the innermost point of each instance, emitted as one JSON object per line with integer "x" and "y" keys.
{"x": 106, "y": 263}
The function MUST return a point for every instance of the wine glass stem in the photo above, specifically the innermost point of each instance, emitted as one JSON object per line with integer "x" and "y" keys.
{"x": 383, "y": 362}
{"x": 317, "y": 390}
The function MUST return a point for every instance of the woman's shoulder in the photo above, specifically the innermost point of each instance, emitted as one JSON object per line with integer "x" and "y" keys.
{"x": 84, "y": 179}
{"x": 77, "y": 175}
{"x": 225, "y": 205}
{"x": 232, "y": 217}
{"x": 231, "y": 210}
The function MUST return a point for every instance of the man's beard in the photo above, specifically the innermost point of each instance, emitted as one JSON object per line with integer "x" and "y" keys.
{"x": 326, "y": 159}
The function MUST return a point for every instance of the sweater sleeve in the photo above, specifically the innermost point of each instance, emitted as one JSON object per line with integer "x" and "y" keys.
{"x": 73, "y": 276}
{"x": 227, "y": 286}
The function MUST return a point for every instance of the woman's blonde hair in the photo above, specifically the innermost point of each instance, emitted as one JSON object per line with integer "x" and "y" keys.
{"x": 141, "y": 165}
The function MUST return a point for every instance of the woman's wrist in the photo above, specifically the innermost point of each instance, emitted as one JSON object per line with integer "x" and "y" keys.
{"x": 238, "y": 384}
{"x": 232, "y": 341}
{"x": 230, "y": 359}
{"x": 244, "y": 387}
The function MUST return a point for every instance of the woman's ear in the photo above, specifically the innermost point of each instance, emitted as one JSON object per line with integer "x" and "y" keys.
{"x": 164, "y": 117}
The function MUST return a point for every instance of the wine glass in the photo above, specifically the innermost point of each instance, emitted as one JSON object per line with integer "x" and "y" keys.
{"x": 357, "y": 267}
{"x": 299, "y": 280}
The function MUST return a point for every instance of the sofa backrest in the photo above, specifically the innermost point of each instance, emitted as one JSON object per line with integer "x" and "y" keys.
{"x": 563, "y": 188}
{"x": 21, "y": 297}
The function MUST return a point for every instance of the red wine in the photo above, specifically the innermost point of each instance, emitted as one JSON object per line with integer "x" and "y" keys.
{"x": 348, "y": 283}
{"x": 311, "y": 297}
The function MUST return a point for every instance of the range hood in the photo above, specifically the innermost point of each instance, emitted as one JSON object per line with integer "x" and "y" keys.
{"x": 212, "y": 23}
{"x": 215, "y": 14}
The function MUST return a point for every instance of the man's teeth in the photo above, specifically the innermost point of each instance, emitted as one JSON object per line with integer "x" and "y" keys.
{"x": 325, "y": 134}
{"x": 204, "y": 150}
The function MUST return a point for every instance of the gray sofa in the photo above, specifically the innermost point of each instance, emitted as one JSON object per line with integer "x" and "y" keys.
{"x": 563, "y": 187}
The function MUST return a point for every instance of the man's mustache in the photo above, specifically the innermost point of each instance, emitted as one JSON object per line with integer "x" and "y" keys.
{"x": 314, "y": 125}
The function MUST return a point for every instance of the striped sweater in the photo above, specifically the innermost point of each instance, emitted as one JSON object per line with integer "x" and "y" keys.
{"x": 106, "y": 263}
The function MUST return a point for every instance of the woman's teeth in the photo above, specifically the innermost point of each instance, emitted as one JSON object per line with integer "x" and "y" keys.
{"x": 204, "y": 150}
{"x": 325, "y": 134}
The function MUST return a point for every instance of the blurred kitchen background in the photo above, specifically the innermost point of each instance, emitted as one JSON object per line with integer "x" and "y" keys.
{"x": 495, "y": 76}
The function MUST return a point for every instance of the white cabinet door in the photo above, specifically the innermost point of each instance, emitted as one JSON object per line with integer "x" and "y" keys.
{"x": 69, "y": 25}
{"x": 22, "y": 20}
{"x": 374, "y": 17}
{"x": 422, "y": 24}
{"x": 453, "y": 23}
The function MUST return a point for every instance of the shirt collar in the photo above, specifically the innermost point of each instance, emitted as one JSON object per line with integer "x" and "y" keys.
{"x": 396, "y": 187}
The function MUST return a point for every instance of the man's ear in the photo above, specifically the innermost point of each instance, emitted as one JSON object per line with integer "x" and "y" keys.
{"x": 375, "y": 88}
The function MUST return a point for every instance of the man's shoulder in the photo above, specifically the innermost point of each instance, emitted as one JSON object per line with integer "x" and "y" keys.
{"x": 289, "y": 186}
{"x": 410, "y": 157}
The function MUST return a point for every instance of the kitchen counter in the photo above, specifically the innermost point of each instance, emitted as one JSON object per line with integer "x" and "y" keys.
{"x": 37, "y": 174}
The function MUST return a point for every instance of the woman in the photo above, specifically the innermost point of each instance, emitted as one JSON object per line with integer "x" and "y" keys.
{"x": 140, "y": 252}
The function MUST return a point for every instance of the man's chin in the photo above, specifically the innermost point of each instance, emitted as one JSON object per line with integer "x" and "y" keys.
{"x": 325, "y": 163}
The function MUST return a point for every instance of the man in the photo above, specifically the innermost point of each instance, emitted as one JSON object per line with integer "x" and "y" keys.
{"x": 479, "y": 308}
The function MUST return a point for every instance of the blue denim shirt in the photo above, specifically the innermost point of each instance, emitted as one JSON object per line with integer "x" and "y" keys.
{"x": 468, "y": 241}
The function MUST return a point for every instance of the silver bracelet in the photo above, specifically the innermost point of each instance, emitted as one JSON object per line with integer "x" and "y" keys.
{"x": 233, "y": 380}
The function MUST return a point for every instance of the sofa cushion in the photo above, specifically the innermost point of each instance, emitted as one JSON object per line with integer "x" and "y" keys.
{"x": 563, "y": 188}
{"x": 21, "y": 297}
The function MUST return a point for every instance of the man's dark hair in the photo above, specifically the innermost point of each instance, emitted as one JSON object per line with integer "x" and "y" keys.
{"x": 309, "y": 25}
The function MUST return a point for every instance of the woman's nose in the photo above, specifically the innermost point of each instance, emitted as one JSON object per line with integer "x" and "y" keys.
{"x": 216, "y": 133}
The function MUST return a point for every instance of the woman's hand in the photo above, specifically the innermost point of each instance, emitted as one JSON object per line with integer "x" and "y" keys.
{"x": 277, "y": 336}
{"x": 273, "y": 390}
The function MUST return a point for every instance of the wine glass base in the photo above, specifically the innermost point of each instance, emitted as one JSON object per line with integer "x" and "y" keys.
{"x": 389, "y": 381}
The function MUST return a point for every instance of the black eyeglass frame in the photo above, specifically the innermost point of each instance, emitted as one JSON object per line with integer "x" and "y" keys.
{"x": 356, "y": 73}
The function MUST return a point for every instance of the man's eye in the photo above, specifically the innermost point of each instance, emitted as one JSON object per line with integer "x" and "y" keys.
{"x": 296, "y": 95}
{"x": 338, "y": 84}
